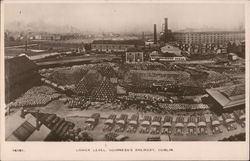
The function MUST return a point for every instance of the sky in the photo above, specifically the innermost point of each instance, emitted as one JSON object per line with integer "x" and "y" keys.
{"x": 119, "y": 17}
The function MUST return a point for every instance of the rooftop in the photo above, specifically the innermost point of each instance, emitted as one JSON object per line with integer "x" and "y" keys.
{"x": 204, "y": 32}
{"x": 18, "y": 65}
{"x": 228, "y": 96}
{"x": 125, "y": 42}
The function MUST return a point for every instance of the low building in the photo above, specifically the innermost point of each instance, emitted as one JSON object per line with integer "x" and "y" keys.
{"x": 227, "y": 98}
{"x": 169, "y": 49}
{"x": 156, "y": 56}
{"x": 134, "y": 55}
{"x": 167, "y": 59}
{"x": 115, "y": 45}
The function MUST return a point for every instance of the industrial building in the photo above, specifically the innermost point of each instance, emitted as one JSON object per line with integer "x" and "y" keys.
{"x": 169, "y": 49}
{"x": 191, "y": 37}
{"x": 208, "y": 37}
{"x": 20, "y": 75}
{"x": 134, "y": 55}
{"x": 115, "y": 45}
{"x": 167, "y": 59}
{"x": 167, "y": 53}
{"x": 227, "y": 98}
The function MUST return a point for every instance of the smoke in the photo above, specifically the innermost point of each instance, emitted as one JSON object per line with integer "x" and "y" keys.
{"x": 119, "y": 17}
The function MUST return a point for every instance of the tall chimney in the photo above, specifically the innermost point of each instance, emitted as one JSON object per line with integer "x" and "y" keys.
{"x": 166, "y": 30}
{"x": 143, "y": 37}
{"x": 155, "y": 34}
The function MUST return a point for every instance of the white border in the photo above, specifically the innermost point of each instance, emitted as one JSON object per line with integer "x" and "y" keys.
{"x": 182, "y": 150}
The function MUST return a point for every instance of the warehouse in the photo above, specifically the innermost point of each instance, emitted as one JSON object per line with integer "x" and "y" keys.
{"x": 20, "y": 75}
{"x": 115, "y": 45}
{"x": 227, "y": 98}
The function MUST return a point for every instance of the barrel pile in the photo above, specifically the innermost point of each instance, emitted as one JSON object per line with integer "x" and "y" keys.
{"x": 76, "y": 102}
{"x": 36, "y": 96}
{"x": 176, "y": 107}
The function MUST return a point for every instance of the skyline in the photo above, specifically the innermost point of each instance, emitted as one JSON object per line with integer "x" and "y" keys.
{"x": 117, "y": 17}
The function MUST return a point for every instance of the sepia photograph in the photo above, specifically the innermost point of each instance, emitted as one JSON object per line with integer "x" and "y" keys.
{"x": 131, "y": 72}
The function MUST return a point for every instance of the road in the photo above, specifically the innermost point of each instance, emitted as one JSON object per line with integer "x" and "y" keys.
{"x": 76, "y": 60}
{"x": 79, "y": 117}
{"x": 20, "y": 46}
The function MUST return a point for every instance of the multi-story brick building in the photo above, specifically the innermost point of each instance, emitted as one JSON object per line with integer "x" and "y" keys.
{"x": 208, "y": 37}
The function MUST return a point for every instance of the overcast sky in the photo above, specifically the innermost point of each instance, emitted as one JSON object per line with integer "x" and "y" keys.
{"x": 128, "y": 17}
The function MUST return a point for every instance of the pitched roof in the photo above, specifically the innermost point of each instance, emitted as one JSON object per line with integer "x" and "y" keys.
{"x": 228, "y": 96}
{"x": 124, "y": 42}
{"x": 18, "y": 65}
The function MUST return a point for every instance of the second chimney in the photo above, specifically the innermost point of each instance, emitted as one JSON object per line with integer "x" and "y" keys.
{"x": 155, "y": 34}
{"x": 166, "y": 30}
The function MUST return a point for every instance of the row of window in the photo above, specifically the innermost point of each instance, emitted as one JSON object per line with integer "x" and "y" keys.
{"x": 209, "y": 40}
{"x": 208, "y": 34}
{"x": 210, "y": 37}
{"x": 112, "y": 46}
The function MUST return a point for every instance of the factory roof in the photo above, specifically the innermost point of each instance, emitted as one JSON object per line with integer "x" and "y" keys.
{"x": 228, "y": 96}
{"x": 18, "y": 65}
{"x": 171, "y": 49}
{"x": 125, "y": 42}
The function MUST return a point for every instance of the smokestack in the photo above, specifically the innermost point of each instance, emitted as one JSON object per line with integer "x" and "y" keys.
{"x": 166, "y": 30}
{"x": 155, "y": 34}
{"x": 143, "y": 36}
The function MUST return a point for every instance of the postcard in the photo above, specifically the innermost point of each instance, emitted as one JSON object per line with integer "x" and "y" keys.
{"x": 124, "y": 80}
